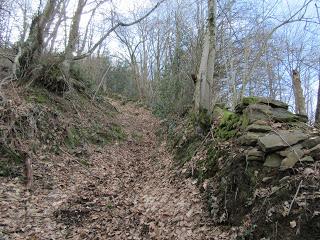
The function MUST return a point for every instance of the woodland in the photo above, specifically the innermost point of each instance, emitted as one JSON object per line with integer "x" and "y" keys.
{"x": 160, "y": 119}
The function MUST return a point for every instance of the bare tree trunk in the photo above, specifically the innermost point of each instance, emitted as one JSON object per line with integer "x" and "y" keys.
{"x": 317, "y": 117}
{"x": 73, "y": 38}
{"x": 33, "y": 47}
{"x": 205, "y": 96}
{"x": 298, "y": 93}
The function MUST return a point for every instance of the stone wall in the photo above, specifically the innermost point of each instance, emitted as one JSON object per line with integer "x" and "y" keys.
{"x": 274, "y": 136}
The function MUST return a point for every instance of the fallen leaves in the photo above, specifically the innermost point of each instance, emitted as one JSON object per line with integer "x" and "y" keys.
{"x": 130, "y": 190}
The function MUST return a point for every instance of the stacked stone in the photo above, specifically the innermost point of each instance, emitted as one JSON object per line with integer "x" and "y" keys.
{"x": 267, "y": 142}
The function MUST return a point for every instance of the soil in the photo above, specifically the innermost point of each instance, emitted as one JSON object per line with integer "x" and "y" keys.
{"x": 128, "y": 189}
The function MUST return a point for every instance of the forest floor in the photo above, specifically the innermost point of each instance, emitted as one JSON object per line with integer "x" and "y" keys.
{"x": 130, "y": 190}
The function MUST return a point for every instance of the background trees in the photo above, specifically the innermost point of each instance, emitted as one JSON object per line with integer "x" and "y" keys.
{"x": 257, "y": 47}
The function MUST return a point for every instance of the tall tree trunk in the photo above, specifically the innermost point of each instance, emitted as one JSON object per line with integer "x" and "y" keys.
{"x": 73, "y": 38}
{"x": 298, "y": 93}
{"x": 205, "y": 96}
{"x": 32, "y": 49}
{"x": 317, "y": 118}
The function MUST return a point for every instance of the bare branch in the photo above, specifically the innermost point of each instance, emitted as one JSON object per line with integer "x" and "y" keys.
{"x": 119, "y": 24}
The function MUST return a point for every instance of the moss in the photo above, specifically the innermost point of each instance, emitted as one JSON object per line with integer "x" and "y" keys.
{"x": 97, "y": 134}
{"x": 38, "y": 96}
{"x": 244, "y": 119}
{"x": 187, "y": 150}
{"x": 229, "y": 125}
{"x": 201, "y": 119}
{"x": 101, "y": 136}
{"x": 138, "y": 136}
{"x": 250, "y": 100}
{"x": 208, "y": 166}
{"x": 84, "y": 162}
{"x": 73, "y": 137}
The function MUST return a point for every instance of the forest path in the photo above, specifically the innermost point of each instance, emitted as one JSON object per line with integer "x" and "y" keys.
{"x": 127, "y": 190}
{"x": 150, "y": 201}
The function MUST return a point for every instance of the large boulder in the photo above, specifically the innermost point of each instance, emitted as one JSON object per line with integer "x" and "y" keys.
{"x": 281, "y": 139}
{"x": 257, "y": 112}
{"x": 283, "y": 115}
{"x": 246, "y": 101}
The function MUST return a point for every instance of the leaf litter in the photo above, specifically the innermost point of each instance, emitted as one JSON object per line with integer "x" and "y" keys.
{"x": 129, "y": 189}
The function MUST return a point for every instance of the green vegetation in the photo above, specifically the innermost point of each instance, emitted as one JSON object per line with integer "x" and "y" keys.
{"x": 10, "y": 162}
{"x": 96, "y": 134}
{"x": 229, "y": 125}
{"x": 249, "y": 100}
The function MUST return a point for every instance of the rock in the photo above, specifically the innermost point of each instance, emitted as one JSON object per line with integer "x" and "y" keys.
{"x": 280, "y": 140}
{"x": 288, "y": 150}
{"x": 249, "y": 139}
{"x": 307, "y": 159}
{"x": 311, "y": 142}
{"x": 308, "y": 171}
{"x": 315, "y": 152}
{"x": 273, "y": 160}
{"x": 267, "y": 179}
{"x": 292, "y": 158}
{"x": 283, "y": 115}
{"x": 246, "y": 101}
{"x": 254, "y": 155}
{"x": 301, "y": 118}
{"x": 258, "y": 128}
{"x": 256, "y": 112}
{"x": 262, "y": 122}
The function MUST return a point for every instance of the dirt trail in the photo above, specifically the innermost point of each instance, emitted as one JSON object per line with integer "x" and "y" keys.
{"x": 130, "y": 191}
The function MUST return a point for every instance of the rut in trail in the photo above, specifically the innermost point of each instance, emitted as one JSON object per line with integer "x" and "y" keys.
{"x": 130, "y": 191}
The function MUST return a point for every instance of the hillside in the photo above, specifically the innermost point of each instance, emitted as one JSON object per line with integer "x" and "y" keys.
{"x": 98, "y": 173}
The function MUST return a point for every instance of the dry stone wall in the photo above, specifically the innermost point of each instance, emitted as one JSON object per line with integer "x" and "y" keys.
{"x": 274, "y": 136}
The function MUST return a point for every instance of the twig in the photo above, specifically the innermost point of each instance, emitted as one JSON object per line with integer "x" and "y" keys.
{"x": 29, "y": 173}
{"x": 292, "y": 148}
{"x": 295, "y": 196}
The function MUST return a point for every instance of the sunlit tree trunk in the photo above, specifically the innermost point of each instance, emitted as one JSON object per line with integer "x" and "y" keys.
{"x": 298, "y": 94}
{"x": 205, "y": 95}
{"x": 73, "y": 38}
{"x": 317, "y": 117}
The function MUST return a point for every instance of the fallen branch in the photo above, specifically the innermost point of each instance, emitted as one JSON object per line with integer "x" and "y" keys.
{"x": 295, "y": 196}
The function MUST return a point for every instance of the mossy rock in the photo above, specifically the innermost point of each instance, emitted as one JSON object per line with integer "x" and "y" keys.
{"x": 246, "y": 101}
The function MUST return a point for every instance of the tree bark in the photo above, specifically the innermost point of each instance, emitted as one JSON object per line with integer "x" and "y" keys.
{"x": 298, "y": 94}
{"x": 33, "y": 47}
{"x": 317, "y": 117}
{"x": 205, "y": 96}
{"x": 73, "y": 39}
